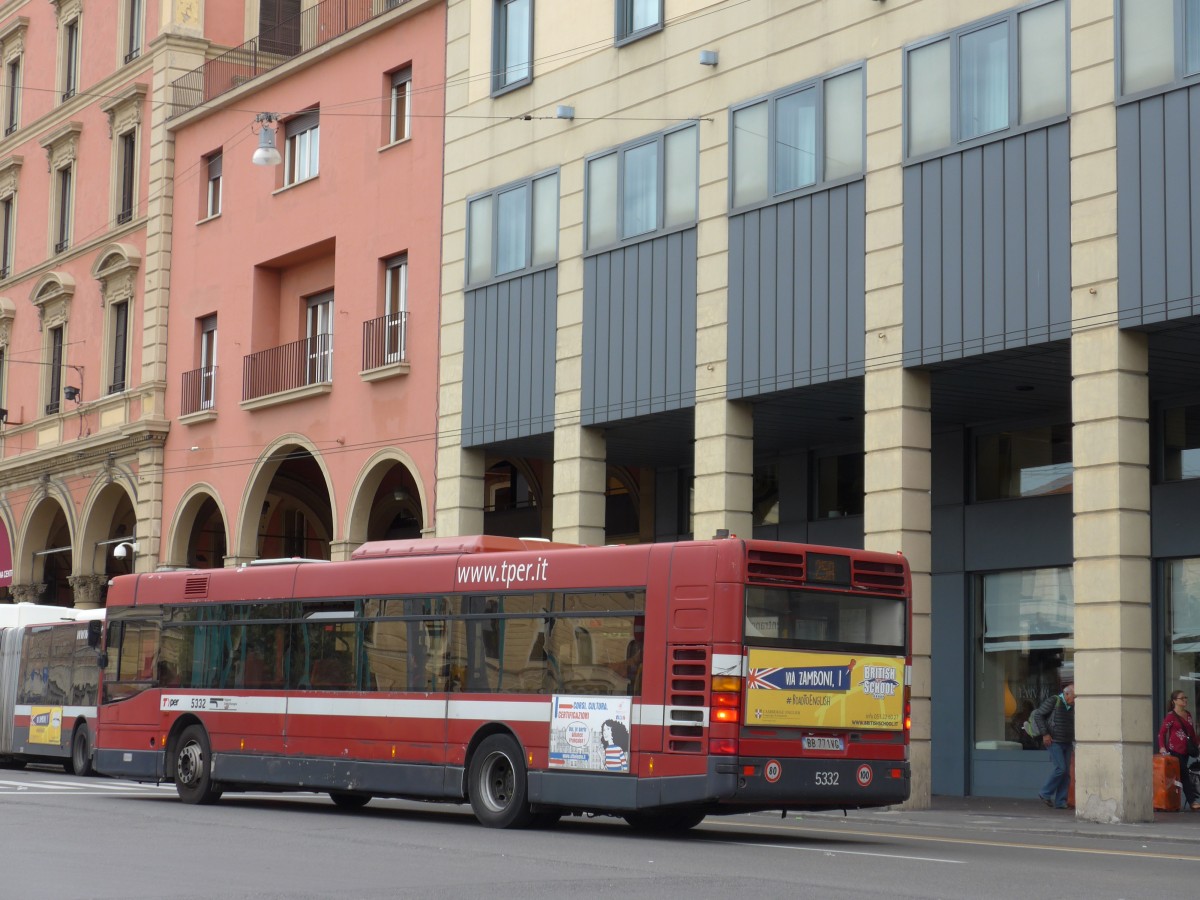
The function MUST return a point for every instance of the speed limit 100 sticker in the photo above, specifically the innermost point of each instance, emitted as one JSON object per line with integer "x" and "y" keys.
{"x": 864, "y": 776}
{"x": 772, "y": 770}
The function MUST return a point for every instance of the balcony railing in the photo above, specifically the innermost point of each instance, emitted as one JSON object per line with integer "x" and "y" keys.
{"x": 286, "y": 368}
{"x": 273, "y": 47}
{"x": 199, "y": 390}
{"x": 385, "y": 340}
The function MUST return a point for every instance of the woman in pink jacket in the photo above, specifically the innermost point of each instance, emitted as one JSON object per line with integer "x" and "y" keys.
{"x": 1177, "y": 737}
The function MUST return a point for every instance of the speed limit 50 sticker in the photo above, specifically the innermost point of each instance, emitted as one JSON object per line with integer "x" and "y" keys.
{"x": 864, "y": 776}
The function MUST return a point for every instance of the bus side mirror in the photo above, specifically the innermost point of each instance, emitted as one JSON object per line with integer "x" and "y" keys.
{"x": 95, "y": 630}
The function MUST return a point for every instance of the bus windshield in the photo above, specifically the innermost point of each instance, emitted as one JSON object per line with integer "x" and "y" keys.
{"x": 786, "y": 618}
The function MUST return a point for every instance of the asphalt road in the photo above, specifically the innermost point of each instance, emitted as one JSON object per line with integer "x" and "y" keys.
{"x": 63, "y": 837}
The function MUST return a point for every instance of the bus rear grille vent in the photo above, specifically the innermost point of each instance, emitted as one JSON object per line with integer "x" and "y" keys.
{"x": 775, "y": 568}
{"x": 688, "y": 692}
{"x": 887, "y": 578}
{"x": 196, "y": 586}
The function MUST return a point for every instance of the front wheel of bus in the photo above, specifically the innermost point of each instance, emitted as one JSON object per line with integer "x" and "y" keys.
{"x": 193, "y": 767}
{"x": 498, "y": 785}
{"x": 81, "y": 752}
{"x": 347, "y": 800}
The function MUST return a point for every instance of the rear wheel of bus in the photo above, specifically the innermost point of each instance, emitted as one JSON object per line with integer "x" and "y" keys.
{"x": 193, "y": 767}
{"x": 347, "y": 800}
{"x": 81, "y": 752}
{"x": 498, "y": 785}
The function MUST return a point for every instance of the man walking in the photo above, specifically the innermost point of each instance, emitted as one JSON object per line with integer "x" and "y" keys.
{"x": 1055, "y": 719}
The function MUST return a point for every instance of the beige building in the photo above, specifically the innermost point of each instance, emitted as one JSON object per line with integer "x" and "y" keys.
{"x": 847, "y": 272}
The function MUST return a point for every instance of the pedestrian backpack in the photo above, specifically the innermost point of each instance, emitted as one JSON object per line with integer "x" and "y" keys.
{"x": 1030, "y": 727}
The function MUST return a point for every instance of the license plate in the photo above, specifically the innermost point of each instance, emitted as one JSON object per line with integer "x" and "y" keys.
{"x": 822, "y": 743}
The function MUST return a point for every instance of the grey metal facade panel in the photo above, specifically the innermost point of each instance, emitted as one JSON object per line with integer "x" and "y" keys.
{"x": 797, "y": 308}
{"x": 987, "y": 248}
{"x": 1158, "y": 207}
{"x": 508, "y": 359}
{"x": 639, "y": 329}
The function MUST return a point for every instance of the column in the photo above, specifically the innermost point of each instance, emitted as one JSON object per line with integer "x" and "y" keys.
{"x": 724, "y": 463}
{"x": 88, "y": 590}
{"x": 27, "y": 593}
{"x": 579, "y": 484}
{"x": 460, "y": 490}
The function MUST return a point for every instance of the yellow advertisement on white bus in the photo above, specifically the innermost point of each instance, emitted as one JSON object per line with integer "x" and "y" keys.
{"x": 824, "y": 690}
{"x": 45, "y": 725}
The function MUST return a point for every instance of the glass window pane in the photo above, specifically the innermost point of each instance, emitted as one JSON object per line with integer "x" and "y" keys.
{"x": 750, "y": 154}
{"x": 1191, "y": 25}
{"x": 643, "y": 14}
{"x": 1042, "y": 39}
{"x": 795, "y": 140}
{"x": 516, "y": 41}
{"x": 545, "y": 220}
{"x": 1024, "y": 651}
{"x": 1147, "y": 44}
{"x": 602, "y": 200}
{"x": 983, "y": 81}
{"x": 511, "y": 227}
{"x": 843, "y": 125}
{"x": 640, "y": 194}
{"x": 929, "y": 98}
{"x": 680, "y": 174}
{"x": 479, "y": 248}
{"x": 1181, "y": 443}
{"x": 839, "y": 488}
{"x": 1028, "y": 463}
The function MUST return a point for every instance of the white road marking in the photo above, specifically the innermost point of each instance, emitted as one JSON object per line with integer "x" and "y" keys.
{"x": 826, "y": 851}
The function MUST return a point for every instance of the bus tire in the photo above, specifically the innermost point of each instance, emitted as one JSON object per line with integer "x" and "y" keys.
{"x": 665, "y": 820}
{"x": 193, "y": 767}
{"x": 11, "y": 762}
{"x": 81, "y": 752}
{"x": 497, "y": 784}
{"x": 347, "y": 800}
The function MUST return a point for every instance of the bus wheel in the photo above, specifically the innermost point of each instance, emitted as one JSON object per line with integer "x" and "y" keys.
{"x": 11, "y": 762}
{"x": 81, "y": 752}
{"x": 497, "y": 784}
{"x": 346, "y": 800}
{"x": 193, "y": 767}
{"x": 665, "y": 820}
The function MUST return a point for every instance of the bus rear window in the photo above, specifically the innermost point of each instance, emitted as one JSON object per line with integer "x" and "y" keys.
{"x": 822, "y": 620}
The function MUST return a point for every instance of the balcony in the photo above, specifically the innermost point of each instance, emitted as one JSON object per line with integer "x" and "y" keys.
{"x": 199, "y": 393}
{"x": 291, "y": 372}
{"x": 385, "y": 346}
{"x": 273, "y": 47}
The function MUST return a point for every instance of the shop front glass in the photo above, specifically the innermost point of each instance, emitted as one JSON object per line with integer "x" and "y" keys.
{"x": 1024, "y": 650}
{"x": 1183, "y": 626}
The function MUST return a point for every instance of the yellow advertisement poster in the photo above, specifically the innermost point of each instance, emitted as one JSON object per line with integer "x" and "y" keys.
{"x": 45, "y": 725}
{"x": 824, "y": 690}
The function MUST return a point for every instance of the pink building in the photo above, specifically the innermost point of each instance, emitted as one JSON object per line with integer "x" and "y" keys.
{"x": 302, "y": 337}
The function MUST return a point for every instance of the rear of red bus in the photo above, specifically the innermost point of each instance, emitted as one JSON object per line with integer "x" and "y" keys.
{"x": 808, "y": 691}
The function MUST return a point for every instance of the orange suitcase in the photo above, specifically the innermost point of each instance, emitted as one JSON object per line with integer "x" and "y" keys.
{"x": 1166, "y": 783}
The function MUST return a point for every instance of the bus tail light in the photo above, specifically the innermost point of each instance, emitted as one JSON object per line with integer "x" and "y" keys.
{"x": 723, "y": 746}
{"x": 907, "y": 708}
{"x": 725, "y": 715}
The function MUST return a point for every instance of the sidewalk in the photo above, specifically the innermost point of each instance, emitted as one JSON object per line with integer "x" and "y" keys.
{"x": 1021, "y": 816}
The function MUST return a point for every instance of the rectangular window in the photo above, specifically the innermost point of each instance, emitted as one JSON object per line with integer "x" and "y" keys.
{"x": 212, "y": 194}
{"x": 1148, "y": 54}
{"x": 63, "y": 195}
{"x": 512, "y": 54}
{"x": 133, "y": 30}
{"x": 395, "y": 308}
{"x": 1028, "y": 463}
{"x": 1181, "y": 443}
{"x": 320, "y": 338}
{"x": 12, "y": 112}
{"x": 127, "y": 175}
{"x": 965, "y": 86}
{"x": 513, "y": 228}
{"x": 636, "y": 18}
{"x": 1182, "y": 587}
{"x": 70, "y": 59}
{"x": 120, "y": 346}
{"x": 303, "y": 147}
{"x": 838, "y": 489}
{"x": 208, "y": 361}
{"x": 798, "y": 137}
{"x": 54, "y": 376}
{"x": 8, "y": 223}
{"x": 655, "y": 181}
{"x": 1024, "y": 650}
{"x": 400, "y": 106}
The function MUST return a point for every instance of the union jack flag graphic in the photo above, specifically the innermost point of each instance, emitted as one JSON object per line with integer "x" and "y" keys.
{"x": 762, "y": 679}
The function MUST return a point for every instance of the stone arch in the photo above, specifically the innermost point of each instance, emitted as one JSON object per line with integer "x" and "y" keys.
{"x": 115, "y": 267}
{"x": 370, "y": 478}
{"x": 100, "y": 510}
{"x": 177, "y": 550}
{"x": 258, "y": 486}
{"x": 42, "y": 523}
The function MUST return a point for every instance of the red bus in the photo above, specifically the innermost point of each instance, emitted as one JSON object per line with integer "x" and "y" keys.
{"x": 48, "y": 686}
{"x": 659, "y": 682}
